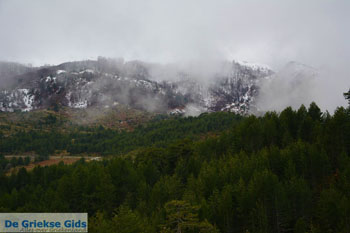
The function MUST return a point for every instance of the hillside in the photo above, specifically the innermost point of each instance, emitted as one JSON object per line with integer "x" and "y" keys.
{"x": 218, "y": 172}
{"x": 107, "y": 83}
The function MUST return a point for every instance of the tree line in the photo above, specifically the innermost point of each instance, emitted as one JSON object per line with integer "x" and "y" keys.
{"x": 286, "y": 172}
{"x": 160, "y": 131}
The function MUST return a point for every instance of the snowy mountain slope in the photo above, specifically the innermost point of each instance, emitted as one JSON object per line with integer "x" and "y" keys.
{"x": 110, "y": 82}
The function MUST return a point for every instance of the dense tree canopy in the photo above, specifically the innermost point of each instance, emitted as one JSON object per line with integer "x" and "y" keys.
{"x": 286, "y": 172}
{"x": 111, "y": 142}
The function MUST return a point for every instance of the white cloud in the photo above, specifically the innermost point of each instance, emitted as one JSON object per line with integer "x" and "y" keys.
{"x": 315, "y": 32}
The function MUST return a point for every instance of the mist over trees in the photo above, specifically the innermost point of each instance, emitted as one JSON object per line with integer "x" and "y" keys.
{"x": 179, "y": 116}
{"x": 10, "y": 69}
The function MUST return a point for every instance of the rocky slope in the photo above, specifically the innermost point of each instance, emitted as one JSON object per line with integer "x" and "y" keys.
{"x": 111, "y": 82}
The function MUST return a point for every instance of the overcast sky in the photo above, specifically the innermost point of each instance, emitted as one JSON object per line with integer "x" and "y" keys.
{"x": 273, "y": 32}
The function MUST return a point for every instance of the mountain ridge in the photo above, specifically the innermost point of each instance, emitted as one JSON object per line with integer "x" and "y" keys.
{"x": 233, "y": 87}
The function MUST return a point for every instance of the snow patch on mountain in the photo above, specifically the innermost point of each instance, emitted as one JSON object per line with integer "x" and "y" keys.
{"x": 60, "y": 71}
{"x": 21, "y": 99}
{"x": 85, "y": 84}
{"x": 254, "y": 66}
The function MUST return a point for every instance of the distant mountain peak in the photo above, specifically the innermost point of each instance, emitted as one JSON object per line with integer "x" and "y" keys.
{"x": 255, "y": 66}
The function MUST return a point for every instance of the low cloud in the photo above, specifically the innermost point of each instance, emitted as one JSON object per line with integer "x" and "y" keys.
{"x": 272, "y": 32}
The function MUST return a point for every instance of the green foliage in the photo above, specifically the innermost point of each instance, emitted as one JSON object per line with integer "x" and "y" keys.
{"x": 285, "y": 172}
{"x": 106, "y": 141}
{"x": 182, "y": 217}
{"x": 123, "y": 221}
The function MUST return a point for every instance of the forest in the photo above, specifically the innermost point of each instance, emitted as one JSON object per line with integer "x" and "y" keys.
{"x": 218, "y": 172}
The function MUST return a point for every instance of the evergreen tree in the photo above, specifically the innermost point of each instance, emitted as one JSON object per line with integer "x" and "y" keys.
{"x": 182, "y": 217}
{"x": 275, "y": 173}
{"x": 347, "y": 96}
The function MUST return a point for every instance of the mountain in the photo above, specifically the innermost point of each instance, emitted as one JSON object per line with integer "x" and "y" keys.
{"x": 232, "y": 86}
